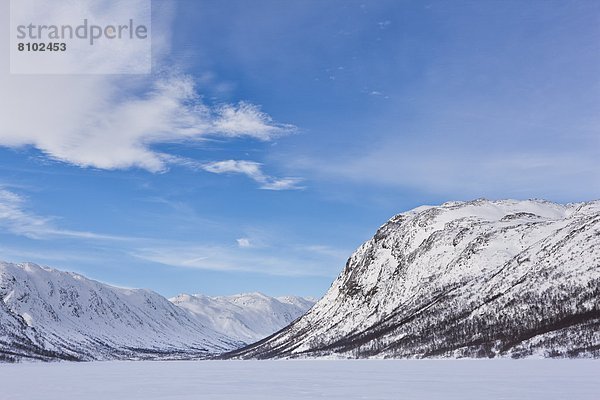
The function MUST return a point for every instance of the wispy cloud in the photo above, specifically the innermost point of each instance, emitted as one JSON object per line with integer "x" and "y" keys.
{"x": 288, "y": 260}
{"x": 244, "y": 242}
{"x": 327, "y": 251}
{"x": 245, "y": 119}
{"x": 461, "y": 171}
{"x": 101, "y": 128}
{"x": 252, "y": 170}
{"x": 384, "y": 24}
{"x": 115, "y": 122}
{"x": 257, "y": 253}
{"x": 16, "y": 218}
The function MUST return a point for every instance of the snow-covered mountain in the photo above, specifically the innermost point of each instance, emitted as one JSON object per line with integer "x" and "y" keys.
{"x": 49, "y": 314}
{"x": 464, "y": 279}
{"x": 245, "y": 317}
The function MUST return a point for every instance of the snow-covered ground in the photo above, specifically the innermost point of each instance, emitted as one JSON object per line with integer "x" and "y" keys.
{"x": 303, "y": 379}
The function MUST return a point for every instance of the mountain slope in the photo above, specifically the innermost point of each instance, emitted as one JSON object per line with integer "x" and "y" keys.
{"x": 244, "y": 317}
{"x": 465, "y": 279}
{"x": 50, "y": 314}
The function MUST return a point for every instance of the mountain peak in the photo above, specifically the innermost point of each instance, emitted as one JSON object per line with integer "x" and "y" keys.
{"x": 49, "y": 314}
{"x": 505, "y": 278}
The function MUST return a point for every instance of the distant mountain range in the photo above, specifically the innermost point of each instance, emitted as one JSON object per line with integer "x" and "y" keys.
{"x": 464, "y": 279}
{"x": 48, "y": 314}
{"x": 244, "y": 317}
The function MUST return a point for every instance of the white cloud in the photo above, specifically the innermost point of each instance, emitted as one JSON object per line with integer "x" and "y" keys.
{"x": 328, "y": 251}
{"x": 384, "y": 24}
{"x": 462, "y": 173}
{"x": 247, "y": 119}
{"x": 250, "y": 254}
{"x": 89, "y": 123}
{"x": 16, "y": 218}
{"x": 252, "y": 170}
{"x": 244, "y": 242}
{"x": 285, "y": 260}
{"x": 249, "y": 168}
{"x": 114, "y": 122}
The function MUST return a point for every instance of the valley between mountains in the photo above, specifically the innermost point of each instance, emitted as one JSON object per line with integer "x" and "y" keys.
{"x": 464, "y": 279}
{"x": 46, "y": 314}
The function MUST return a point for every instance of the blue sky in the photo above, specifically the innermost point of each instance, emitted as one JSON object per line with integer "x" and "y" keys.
{"x": 275, "y": 137}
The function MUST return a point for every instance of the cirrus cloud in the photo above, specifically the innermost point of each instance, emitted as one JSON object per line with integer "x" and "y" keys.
{"x": 18, "y": 219}
{"x": 252, "y": 170}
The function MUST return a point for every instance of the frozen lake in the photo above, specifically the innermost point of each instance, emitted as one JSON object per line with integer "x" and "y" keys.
{"x": 306, "y": 379}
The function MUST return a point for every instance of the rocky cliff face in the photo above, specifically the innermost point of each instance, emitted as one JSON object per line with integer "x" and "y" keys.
{"x": 464, "y": 279}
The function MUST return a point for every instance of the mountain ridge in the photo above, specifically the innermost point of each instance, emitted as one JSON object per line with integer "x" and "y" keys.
{"x": 247, "y": 317}
{"x": 48, "y": 314}
{"x": 482, "y": 278}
